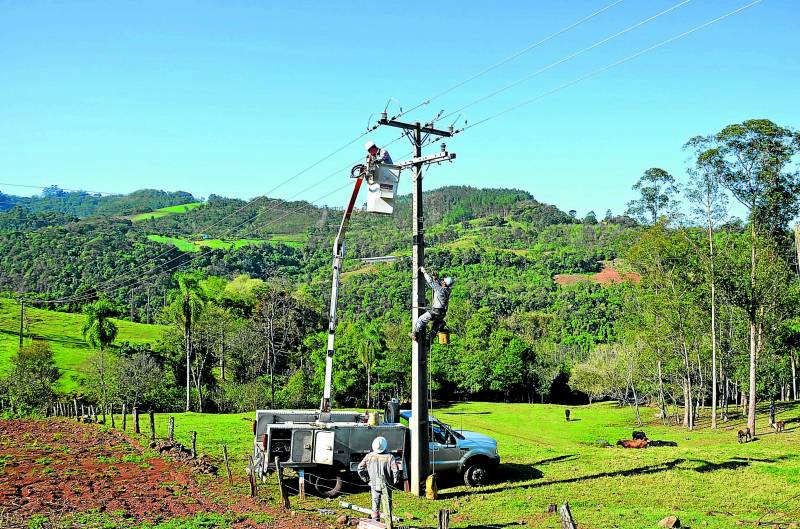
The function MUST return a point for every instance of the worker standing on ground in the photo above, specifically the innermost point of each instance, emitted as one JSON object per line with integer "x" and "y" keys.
{"x": 376, "y": 154}
{"x": 438, "y": 311}
{"x": 383, "y": 471}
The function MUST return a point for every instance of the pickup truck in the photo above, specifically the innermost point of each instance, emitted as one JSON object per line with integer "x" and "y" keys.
{"x": 328, "y": 447}
{"x": 471, "y": 454}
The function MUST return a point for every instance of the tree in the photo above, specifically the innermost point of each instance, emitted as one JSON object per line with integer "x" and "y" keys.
{"x": 705, "y": 192}
{"x": 369, "y": 347}
{"x": 30, "y": 382}
{"x": 277, "y": 320}
{"x": 751, "y": 159}
{"x": 100, "y": 331}
{"x": 98, "y": 328}
{"x": 657, "y": 191}
{"x": 186, "y": 305}
{"x": 590, "y": 218}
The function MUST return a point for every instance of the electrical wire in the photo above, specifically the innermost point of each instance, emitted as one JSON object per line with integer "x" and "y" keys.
{"x": 565, "y": 59}
{"x": 508, "y": 59}
{"x": 614, "y": 64}
{"x": 126, "y": 284}
{"x": 95, "y": 292}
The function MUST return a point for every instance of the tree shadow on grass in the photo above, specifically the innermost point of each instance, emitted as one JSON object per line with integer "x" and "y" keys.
{"x": 564, "y": 457}
{"x": 703, "y": 467}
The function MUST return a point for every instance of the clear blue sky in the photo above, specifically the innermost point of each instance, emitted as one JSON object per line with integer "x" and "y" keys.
{"x": 234, "y": 97}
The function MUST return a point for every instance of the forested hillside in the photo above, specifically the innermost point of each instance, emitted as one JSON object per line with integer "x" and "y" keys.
{"x": 678, "y": 304}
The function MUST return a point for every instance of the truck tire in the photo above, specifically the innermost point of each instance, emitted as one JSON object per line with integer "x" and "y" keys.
{"x": 476, "y": 474}
{"x": 327, "y": 485}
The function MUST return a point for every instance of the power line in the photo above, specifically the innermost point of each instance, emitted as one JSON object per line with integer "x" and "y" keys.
{"x": 31, "y": 186}
{"x": 565, "y": 59}
{"x": 106, "y": 289}
{"x": 612, "y": 65}
{"x": 127, "y": 284}
{"x": 509, "y": 58}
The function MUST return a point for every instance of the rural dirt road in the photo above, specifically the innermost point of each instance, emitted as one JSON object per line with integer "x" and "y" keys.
{"x": 55, "y": 467}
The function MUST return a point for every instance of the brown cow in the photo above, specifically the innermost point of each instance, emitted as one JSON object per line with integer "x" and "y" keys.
{"x": 633, "y": 443}
{"x": 779, "y": 426}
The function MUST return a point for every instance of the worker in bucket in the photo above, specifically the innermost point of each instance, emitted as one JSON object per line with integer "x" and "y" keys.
{"x": 441, "y": 298}
{"x": 376, "y": 155}
{"x": 382, "y": 471}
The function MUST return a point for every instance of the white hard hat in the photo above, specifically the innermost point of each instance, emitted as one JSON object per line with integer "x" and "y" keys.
{"x": 379, "y": 445}
{"x": 448, "y": 281}
{"x": 370, "y": 144}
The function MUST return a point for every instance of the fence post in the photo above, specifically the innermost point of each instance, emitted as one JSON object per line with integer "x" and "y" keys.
{"x": 252, "y": 476}
{"x": 75, "y": 403}
{"x": 281, "y": 489}
{"x": 567, "y": 522}
{"x": 136, "y": 420}
{"x": 152, "y": 426}
{"x": 124, "y": 416}
{"x": 194, "y": 445}
{"x": 227, "y": 464}
{"x": 172, "y": 429}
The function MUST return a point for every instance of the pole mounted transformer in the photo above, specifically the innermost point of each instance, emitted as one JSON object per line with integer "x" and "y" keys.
{"x": 383, "y": 181}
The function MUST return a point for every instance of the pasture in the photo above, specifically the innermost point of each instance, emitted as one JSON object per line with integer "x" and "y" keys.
{"x": 708, "y": 480}
{"x": 62, "y": 331}
{"x": 163, "y": 212}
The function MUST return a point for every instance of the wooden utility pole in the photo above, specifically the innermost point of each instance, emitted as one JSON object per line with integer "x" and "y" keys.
{"x": 419, "y": 348}
{"x": 21, "y": 320}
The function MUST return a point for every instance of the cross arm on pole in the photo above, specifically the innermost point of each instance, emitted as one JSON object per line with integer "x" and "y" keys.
{"x": 439, "y": 157}
{"x": 414, "y": 126}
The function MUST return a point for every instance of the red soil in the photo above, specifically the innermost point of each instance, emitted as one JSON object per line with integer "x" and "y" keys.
{"x": 57, "y": 466}
{"x": 607, "y": 276}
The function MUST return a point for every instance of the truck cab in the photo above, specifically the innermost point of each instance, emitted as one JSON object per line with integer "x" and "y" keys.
{"x": 471, "y": 454}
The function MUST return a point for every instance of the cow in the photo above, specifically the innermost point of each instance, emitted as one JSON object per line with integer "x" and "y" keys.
{"x": 745, "y": 436}
{"x": 633, "y": 443}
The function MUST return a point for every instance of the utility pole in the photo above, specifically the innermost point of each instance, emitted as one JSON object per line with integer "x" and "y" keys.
{"x": 419, "y": 423}
{"x": 21, "y": 319}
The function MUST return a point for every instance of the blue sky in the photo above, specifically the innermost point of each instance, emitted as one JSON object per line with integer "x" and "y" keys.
{"x": 235, "y": 97}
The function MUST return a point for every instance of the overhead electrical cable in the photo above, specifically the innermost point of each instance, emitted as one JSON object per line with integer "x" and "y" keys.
{"x": 564, "y": 59}
{"x": 614, "y": 64}
{"x": 508, "y": 59}
{"x": 94, "y": 292}
{"x": 106, "y": 286}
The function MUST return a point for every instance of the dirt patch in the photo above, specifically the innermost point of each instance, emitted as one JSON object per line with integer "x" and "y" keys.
{"x": 54, "y": 467}
{"x": 607, "y": 276}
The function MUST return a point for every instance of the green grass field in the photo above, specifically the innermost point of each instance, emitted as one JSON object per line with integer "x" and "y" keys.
{"x": 708, "y": 480}
{"x": 163, "y": 212}
{"x": 293, "y": 240}
{"x": 63, "y": 332}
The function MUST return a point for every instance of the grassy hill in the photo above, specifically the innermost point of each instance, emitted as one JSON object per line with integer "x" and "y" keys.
{"x": 62, "y": 331}
{"x": 169, "y": 210}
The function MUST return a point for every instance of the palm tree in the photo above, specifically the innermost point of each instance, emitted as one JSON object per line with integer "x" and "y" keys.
{"x": 186, "y": 306}
{"x": 371, "y": 344}
{"x": 98, "y": 329}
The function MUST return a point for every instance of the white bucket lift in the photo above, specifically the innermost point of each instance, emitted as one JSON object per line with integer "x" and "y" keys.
{"x": 382, "y": 181}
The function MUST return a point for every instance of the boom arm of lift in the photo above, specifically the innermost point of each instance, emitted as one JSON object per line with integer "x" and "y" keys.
{"x": 338, "y": 256}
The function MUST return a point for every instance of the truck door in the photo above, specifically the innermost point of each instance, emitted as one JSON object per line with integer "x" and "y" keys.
{"x": 444, "y": 454}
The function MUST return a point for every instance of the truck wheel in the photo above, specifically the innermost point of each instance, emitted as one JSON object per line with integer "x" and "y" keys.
{"x": 327, "y": 486}
{"x": 476, "y": 474}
